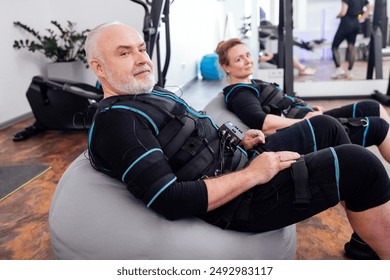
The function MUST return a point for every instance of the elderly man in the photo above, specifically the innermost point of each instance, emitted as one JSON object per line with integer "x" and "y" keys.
{"x": 179, "y": 163}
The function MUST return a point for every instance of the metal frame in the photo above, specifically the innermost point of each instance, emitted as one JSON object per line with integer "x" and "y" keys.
{"x": 157, "y": 14}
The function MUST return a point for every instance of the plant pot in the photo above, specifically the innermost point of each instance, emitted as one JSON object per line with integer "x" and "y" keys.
{"x": 73, "y": 71}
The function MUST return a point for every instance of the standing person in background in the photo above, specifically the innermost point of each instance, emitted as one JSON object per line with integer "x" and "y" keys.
{"x": 352, "y": 13}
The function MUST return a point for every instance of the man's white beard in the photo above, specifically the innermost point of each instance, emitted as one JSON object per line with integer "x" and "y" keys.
{"x": 129, "y": 85}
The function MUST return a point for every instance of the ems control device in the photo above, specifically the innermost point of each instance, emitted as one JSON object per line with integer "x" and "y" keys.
{"x": 231, "y": 134}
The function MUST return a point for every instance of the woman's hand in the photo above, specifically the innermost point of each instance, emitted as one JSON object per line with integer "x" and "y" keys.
{"x": 252, "y": 138}
{"x": 318, "y": 108}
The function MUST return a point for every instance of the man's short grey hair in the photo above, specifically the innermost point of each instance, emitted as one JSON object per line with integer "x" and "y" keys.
{"x": 90, "y": 45}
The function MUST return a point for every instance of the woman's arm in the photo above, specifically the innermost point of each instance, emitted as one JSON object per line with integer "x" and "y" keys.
{"x": 272, "y": 123}
{"x": 343, "y": 11}
{"x": 366, "y": 12}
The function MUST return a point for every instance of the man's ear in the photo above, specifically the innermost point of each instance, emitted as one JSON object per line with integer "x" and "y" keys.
{"x": 97, "y": 68}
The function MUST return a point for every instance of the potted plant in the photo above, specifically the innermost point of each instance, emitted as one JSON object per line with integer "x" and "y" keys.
{"x": 65, "y": 45}
{"x": 61, "y": 45}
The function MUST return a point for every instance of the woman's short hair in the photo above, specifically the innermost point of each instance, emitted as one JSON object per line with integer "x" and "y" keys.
{"x": 223, "y": 47}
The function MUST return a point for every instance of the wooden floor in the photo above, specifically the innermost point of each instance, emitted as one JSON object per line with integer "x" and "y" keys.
{"x": 24, "y": 232}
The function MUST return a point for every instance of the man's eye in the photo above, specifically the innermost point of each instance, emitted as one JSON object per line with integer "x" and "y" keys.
{"x": 124, "y": 53}
{"x": 142, "y": 50}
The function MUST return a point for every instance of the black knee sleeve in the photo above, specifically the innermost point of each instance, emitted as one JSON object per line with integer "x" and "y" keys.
{"x": 364, "y": 182}
{"x": 328, "y": 132}
{"x": 372, "y": 131}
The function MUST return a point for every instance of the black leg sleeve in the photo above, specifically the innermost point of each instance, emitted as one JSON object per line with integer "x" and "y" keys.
{"x": 307, "y": 136}
{"x": 347, "y": 172}
{"x": 364, "y": 182}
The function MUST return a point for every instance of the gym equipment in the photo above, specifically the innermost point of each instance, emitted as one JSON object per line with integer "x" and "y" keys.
{"x": 58, "y": 105}
{"x": 159, "y": 12}
{"x": 378, "y": 40}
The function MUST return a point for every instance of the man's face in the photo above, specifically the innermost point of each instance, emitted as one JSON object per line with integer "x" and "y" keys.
{"x": 126, "y": 65}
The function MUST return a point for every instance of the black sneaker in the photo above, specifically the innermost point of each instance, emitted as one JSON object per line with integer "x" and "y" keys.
{"x": 357, "y": 249}
{"x": 27, "y": 132}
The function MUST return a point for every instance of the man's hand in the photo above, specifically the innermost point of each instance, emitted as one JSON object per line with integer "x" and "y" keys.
{"x": 265, "y": 166}
{"x": 252, "y": 138}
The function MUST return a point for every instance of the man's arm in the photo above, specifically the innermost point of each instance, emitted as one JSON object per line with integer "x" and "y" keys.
{"x": 262, "y": 169}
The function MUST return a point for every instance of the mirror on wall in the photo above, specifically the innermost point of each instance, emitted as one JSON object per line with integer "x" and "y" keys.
{"x": 315, "y": 25}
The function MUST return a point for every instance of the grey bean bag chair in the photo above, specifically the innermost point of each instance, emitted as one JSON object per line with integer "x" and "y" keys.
{"x": 93, "y": 216}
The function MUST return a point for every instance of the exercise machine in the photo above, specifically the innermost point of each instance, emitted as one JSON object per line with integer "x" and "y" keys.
{"x": 378, "y": 41}
{"x": 156, "y": 12}
{"x": 58, "y": 105}
{"x": 285, "y": 45}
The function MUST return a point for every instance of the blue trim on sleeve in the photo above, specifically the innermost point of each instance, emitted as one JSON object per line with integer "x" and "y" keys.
{"x": 242, "y": 151}
{"x": 304, "y": 107}
{"x": 138, "y": 160}
{"x": 135, "y": 111}
{"x": 240, "y": 85}
{"x": 365, "y": 132}
{"x": 160, "y": 191}
{"x": 354, "y": 110}
{"x": 312, "y": 134}
{"x": 337, "y": 170}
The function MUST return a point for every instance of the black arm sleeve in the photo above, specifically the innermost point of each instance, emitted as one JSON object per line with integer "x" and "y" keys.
{"x": 247, "y": 107}
{"x": 129, "y": 149}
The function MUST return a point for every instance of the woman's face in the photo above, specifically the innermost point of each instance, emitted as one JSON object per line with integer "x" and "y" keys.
{"x": 240, "y": 62}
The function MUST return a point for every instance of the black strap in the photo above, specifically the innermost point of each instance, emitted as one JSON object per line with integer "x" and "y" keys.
{"x": 198, "y": 163}
{"x": 176, "y": 138}
{"x": 301, "y": 181}
{"x": 271, "y": 94}
{"x": 357, "y": 122}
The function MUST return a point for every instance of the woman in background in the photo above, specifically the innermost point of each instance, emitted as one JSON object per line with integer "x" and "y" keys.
{"x": 352, "y": 13}
{"x": 366, "y": 122}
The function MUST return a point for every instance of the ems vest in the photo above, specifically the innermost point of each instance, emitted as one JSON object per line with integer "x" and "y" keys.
{"x": 272, "y": 99}
{"x": 189, "y": 140}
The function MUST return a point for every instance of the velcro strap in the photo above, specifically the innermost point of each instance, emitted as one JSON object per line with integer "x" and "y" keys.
{"x": 271, "y": 95}
{"x": 198, "y": 163}
{"x": 292, "y": 112}
{"x": 357, "y": 122}
{"x": 285, "y": 103}
{"x": 169, "y": 131}
{"x": 176, "y": 135}
{"x": 301, "y": 182}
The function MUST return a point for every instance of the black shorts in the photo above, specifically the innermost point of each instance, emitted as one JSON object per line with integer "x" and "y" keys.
{"x": 334, "y": 175}
{"x": 307, "y": 136}
{"x": 373, "y": 129}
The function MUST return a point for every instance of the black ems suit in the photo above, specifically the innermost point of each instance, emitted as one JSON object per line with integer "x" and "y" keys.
{"x": 163, "y": 150}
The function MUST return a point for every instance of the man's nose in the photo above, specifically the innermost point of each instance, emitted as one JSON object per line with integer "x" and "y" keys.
{"x": 142, "y": 58}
